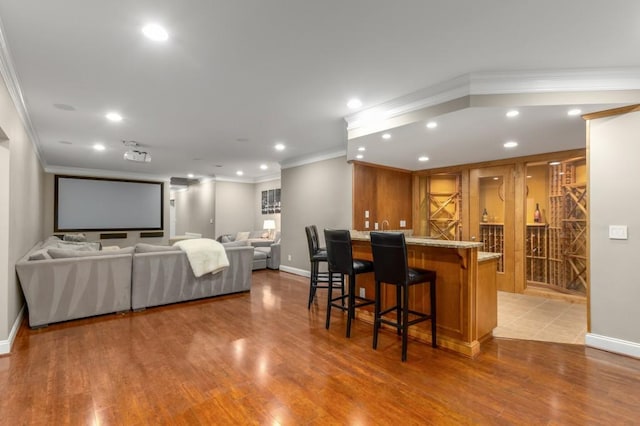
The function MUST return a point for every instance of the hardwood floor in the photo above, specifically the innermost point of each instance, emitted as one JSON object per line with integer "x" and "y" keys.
{"x": 262, "y": 358}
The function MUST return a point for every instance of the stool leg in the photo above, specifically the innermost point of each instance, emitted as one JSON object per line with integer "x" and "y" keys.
{"x": 329, "y": 297}
{"x": 398, "y": 310}
{"x": 342, "y": 288}
{"x": 432, "y": 287}
{"x": 313, "y": 282}
{"x": 376, "y": 315}
{"x": 351, "y": 310}
{"x": 405, "y": 320}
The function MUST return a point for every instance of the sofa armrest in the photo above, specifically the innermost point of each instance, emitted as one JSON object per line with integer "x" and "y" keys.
{"x": 273, "y": 262}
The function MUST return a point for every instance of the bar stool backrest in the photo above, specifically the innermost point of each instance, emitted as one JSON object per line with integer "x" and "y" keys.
{"x": 311, "y": 241}
{"x": 390, "y": 257}
{"x": 339, "y": 254}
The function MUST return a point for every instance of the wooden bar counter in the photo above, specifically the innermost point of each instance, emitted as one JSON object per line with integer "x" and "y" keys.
{"x": 467, "y": 298}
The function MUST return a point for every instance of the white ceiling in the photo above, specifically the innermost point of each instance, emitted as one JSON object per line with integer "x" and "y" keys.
{"x": 236, "y": 77}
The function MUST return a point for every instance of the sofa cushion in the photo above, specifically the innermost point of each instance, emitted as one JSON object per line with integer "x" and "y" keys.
{"x": 241, "y": 243}
{"x": 40, "y": 254}
{"x": 80, "y": 246}
{"x": 242, "y": 236}
{"x": 265, "y": 250}
{"x": 59, "y": 253}
{"x": 52, "y": 241}
{"x": 152, "y": 248}
{"x": 259, "y": 255}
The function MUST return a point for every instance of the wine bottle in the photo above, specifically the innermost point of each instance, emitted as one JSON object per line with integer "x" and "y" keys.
{"x": 536, "y": 214}
{"x": 485, "y": 215}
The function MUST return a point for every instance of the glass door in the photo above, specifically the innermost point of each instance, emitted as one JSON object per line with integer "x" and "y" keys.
{"x": 492, "y": 217}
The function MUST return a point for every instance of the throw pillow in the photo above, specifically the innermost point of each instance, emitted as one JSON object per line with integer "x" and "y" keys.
{"x": 71, "y": 245}
{"x": 152, "y": 248}
{"x": 78, "y": 238}
{"x": 242, "y": 236}
{"x": 225, "y": 239}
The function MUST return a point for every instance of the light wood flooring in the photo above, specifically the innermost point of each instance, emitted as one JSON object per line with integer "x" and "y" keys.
{"x": 263, "y": 358}
{"x": 522, "y": 316}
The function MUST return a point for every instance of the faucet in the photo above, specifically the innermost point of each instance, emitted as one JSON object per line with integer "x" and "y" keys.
{"x": 382, "y": 226}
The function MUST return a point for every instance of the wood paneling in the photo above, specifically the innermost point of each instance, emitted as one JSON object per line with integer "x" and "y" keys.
{"x": 263, "y": 358}
{"x": 385, "y": 193}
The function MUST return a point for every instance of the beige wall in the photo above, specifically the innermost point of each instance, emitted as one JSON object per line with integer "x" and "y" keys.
{"x": 133, "y": 237}
{"x": 235, "y": 207}
{"x": 21, "y": 217}
{"x": 317, "y": 193}
{"x": 195, "y": 209}
{"x": 614, "y": 150}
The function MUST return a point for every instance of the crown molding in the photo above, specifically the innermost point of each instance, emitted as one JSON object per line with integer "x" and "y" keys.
{"x": 76, "y": 171}
{"x": 321, "y": 156}
{"x": 7, "y": 70}
{"x": 500, "y": 83}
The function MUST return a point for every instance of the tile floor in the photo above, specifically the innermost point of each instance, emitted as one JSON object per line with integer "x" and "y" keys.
{"x": 522, "y": 316}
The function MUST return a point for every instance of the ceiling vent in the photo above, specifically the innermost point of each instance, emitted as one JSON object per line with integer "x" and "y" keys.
{"x": 180, "y": 181}
{"x": 135, "y": 154}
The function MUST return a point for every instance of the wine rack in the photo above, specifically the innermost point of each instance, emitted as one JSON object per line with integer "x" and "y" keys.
{"x": 537, "y": 248}
{"x": 492, "y": 236}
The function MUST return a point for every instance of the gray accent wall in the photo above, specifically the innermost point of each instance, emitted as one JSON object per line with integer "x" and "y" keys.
{"x": 21, "y": 211}
{"x": 614, "y": 150}
{"x": 318, "y": 193}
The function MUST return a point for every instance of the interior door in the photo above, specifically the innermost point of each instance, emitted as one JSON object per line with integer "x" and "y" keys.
{"x": 492, "y": 217}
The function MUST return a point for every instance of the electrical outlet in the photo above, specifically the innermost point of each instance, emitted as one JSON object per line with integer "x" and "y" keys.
{"x": 375, "y": 226}
{"x": 366, "y": 224}
{"x": 289, "y": 257}
{"x": 366, "y": 214}
{"x": 403, "y": 223}
{"x": 362, "y": 292}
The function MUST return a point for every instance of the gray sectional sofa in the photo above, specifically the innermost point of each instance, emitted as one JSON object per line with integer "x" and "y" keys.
{"x": 61, "y": 284}
{"x": 266, "y": 252}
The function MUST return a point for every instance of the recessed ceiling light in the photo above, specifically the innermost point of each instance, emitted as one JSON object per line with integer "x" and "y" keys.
{"x": 386, "y": 136}
{"x": 510, "y": 144}
{"x": 155, "y": 32}
{"x": 432, "y": 125}
{"x": 561, "y": 173}
{"x": 279, "y": 147}
{"x": 354, "y": 103}
{"x": 496, "y": 178}
{"x": 113, "y": 116}
{"x": 512, "y": 113}
{"x": 190, "y": 175}
{"x": 239, "y": 172}
{"x": 574, "y": 111}
{"x": 554, "y": 163}
{"x": 263, "y": 167}
{"x": 423, "y": 158}
{"x": 361, "y": 148}
{"x": 529, "y": 176}
{"x": 98, "y": 147}
{"x": 359, "y": 156}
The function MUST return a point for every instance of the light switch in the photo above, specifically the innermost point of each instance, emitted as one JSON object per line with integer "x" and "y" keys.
{"x": 403, "y": 223}
{"x": 366, "y": 214}
{"x": 366, "y": 224}
{"x": 617, "y": 232}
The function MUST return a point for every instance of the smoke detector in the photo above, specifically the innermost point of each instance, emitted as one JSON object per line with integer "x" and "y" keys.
{"x": 134, "y": 154}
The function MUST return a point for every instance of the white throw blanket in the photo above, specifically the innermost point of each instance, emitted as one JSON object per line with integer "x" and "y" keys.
{"x": 204, "y": 255}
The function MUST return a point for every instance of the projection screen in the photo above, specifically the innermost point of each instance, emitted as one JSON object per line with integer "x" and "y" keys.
{"x": 97, "y": 204}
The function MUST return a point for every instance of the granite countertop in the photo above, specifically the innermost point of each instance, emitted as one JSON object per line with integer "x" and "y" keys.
{"x": 486, "y": 255}
{"x": 423, "y": 241}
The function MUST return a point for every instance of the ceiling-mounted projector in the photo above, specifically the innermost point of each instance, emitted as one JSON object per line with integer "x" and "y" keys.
{"x": 134, "y": 154}
{"x": 137, "y": 156}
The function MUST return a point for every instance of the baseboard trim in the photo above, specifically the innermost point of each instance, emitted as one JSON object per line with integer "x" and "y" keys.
{"x": 611, "y": 344}
{"x": 5, "y": 345}
{"x": 292, "y": 270}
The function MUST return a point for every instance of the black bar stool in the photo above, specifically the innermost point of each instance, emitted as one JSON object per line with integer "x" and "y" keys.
{"x": 317, "y": 255}
{"x": 340, "y": 257}
{"x": 390, "y": 261}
